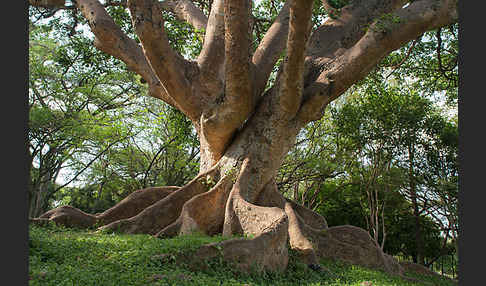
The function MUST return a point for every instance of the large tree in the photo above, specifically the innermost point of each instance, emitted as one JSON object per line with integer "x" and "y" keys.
{"x": 245, "y": 127}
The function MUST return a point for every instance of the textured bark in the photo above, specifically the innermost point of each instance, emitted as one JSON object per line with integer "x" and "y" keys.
{"x": 134, "y": 203}
{"x": 270, "y": 48}
{"x": 290, "y": 93}
{"x": 382, "y": 37}
{"x": 68, "y": 216}
{"x": 165, "y": 211}
{"x": 244, "y": 130}
{"x": 110, "y": 39}
{"x": 222, "y": 120}
{"x": 168, "y": 65}
{"x": 47, "y": 3}
{"x": 185, "y": 10}
{"x": 203, "y": 213}
{"x": 211, "y": 58}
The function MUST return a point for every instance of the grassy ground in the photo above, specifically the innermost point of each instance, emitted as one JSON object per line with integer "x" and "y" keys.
{"x": 59, "y": 256}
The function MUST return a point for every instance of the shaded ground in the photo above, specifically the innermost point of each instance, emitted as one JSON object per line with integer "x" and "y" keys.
{"x": 61, "y": 256}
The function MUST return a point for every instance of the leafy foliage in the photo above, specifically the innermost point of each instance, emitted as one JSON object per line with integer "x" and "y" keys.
{"x": 75, "y": 101}
{"x": 356, "y": 166}
{"x": 88, "y": 123}
{"x": 163, "y": 152}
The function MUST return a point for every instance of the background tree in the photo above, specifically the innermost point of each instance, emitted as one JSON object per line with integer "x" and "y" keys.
{"x": 399, "y": 121}
{"x": 244, "y": 127}
{"x": 382, "y": 118}
{"x": 73, "y": 101}
{"x": 377, "y": 129}
{"x": 92, "y": 109}
{"x": 319, "y": 156}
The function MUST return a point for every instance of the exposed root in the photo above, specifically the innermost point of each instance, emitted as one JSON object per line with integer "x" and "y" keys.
{"x": 262, "y": 214}
{"x": 130, "y": 206}
{"x": 165, "y": 211}
{"x": 203, "y": 213}
{"x": 39, "y": 221}
{"x": 68, "y": 216}
{"x": 299, "y": 217}
{"x": 242, "y": 217}
{"x": 297, "y": 239}
{"x": 420, "y": 269}
{"x": 268, "y": 249}
{"x": 270, "y": 196}
{"x": 354, "y": 245}
{"x": 267, "y": 227}
{"x": 311, "y": 237}
{"x": 134, "y": 203}
{"x": 308, "y": 216}
{"x": 347, "y": 243}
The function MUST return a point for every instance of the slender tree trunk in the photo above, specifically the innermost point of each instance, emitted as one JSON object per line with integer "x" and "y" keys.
{"x": 40, "y": 194}
{"x": 30, "y": 183}
{"x": 416, "y": 212}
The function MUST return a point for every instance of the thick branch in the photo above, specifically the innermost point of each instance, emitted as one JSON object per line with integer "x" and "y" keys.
{"x": 168, "y": 65}
{"x": 222, "y": 119}
{"x": 47, "y": 3}
{"x": 211, "y": 58}
{"x": 237, "y": 53}
{"x": 383, "y": 37}
{"x": 342, "y": 33}
{"x": 110, "y": 39}
{"x": 186, "y": 11}
{"x": 292, "y": 78}
{"x": 270, "y": 48}
{"x": 334, "y": 36}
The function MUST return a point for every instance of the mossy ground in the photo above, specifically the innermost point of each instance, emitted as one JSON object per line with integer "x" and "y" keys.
{"x": 60, "y": 256}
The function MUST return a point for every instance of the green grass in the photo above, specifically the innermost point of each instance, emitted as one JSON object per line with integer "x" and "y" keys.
{"x": 60, "y": 256}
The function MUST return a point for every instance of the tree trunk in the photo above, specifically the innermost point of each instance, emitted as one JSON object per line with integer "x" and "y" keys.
{"x": 30, "y": 185}
{"x": 38, "y": 196}
{"x": 40, "y": 200}
{"x": 419, "y": 244}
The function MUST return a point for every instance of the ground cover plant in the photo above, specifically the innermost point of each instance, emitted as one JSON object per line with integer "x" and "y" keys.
{"x": 62, "y": 256}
